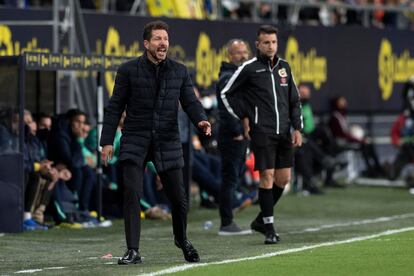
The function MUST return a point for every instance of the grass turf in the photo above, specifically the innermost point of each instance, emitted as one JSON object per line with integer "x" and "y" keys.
{"x": 387, "y": 255}
{"x": 79, "y": 251}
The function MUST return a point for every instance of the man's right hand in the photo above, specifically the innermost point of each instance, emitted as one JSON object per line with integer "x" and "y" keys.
{"x": 106, "y": 154}
{"x": 239, "y": 137}
{"x": 246, "y": 127}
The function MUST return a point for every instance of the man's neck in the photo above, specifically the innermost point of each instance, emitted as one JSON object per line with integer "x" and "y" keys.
{"x": 272, "y": 61}
{"x": 152, "y": 59}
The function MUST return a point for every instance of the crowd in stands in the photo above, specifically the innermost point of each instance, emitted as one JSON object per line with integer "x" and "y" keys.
{"x": 326, "y": 13}
{"x": 310, "y": 12}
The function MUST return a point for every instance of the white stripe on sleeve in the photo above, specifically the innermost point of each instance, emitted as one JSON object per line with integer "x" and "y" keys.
{"x": 230, "y": 83}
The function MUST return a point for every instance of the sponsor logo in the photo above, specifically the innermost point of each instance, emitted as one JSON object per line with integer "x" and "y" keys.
{"x": 282, "y": 72}
{"x": 393, "y": 68}
{"x": 306, "y": 66}
{"x": 283, "y": 81}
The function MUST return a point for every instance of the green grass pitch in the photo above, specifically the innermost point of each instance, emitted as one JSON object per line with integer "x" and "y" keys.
{"x": 339, "y": 215}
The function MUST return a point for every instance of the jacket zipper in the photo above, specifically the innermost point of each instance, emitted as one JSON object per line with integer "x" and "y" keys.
{"x": 256, "y": 115}
{"x": 275, "y": 97}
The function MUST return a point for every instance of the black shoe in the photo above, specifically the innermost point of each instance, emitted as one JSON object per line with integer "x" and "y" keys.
{"x": 260, "y": 227}
{"x": 270, "y": 238}
{"x": 208, "y": 204}
{"x": 333, "y": 184}
{"x": 190, "y": 253}
{"x": 131, "y": 256}
{"x": 314, "y": 190}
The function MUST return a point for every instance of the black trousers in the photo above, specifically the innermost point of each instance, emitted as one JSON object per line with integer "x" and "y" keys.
{"x": 173, "y": 187}
{"x": 233, "y": 156}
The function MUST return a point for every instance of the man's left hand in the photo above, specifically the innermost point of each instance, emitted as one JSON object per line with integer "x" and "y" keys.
{"x": 296, "y": 138}
{"x": 206, "y": 127}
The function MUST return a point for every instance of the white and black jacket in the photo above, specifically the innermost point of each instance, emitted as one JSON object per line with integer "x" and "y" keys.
{"x": 270, "y": 98}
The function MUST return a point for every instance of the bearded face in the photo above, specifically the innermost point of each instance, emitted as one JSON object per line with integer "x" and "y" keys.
{"x": 157, "y": 46}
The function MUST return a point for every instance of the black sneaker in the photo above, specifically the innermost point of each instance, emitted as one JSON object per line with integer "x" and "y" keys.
{"x": 260, "y": 227}
{"x": 270, "y": 238}
{"x": 190, "y": 253}
{"x": 232, "y": 230}
{"x": 131, "y": 256}
{"x": 314, "y": 190}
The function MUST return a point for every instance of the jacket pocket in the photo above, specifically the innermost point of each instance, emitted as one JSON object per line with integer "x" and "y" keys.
{"x": 256, "y": 115}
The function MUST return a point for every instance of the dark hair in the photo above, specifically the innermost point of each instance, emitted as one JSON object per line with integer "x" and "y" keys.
{"x": 267, "y": 29}
{"x": 335, "y": 101}
{"x": 154, "y": 25}
{"x": 72, "y": 113}
{"x": 39, "y": 116}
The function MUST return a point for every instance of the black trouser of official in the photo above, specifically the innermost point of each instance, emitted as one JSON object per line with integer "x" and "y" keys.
{"x": 173, "y": 187}
{"x": 233, "y": 155}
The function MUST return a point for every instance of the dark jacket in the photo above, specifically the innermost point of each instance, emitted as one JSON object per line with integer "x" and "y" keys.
{"x": 340, "y": 129}
{"x": 230, "y": 126}
{"x": 270, "y": 96}
{"x": 64, "y": 147}
{"x": 151, "y": 95}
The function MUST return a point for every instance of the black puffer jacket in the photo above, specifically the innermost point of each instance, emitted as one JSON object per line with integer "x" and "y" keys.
{"x": 270, "y": 97}
{"x": 151, "y": 95}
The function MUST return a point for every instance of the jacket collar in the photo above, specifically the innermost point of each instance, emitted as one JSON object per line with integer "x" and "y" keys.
{"x": 264, "y": 59}
{"x": 227, "y": 66}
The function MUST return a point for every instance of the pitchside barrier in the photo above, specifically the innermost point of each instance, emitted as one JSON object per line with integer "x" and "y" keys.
{"x": 11, "y": 158}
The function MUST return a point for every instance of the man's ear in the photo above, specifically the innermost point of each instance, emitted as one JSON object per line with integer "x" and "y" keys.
{"x": 256, "y": 43}
{"x": 146, "y": 44}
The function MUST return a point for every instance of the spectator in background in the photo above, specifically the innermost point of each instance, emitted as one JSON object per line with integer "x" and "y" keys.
{"x": 402, "y": 132}
{"x": 9, "y": 131}
{"x": 309, "y": 15}
{"x": 44, "y": 121}
{"x": 355, "y": 16}
{"x": 329, "y": 15}
{"x": 65, "y": 149}
{"x": 44, "y": 125}
{"x": 89, "y": 155}
{"x": 265, "y": 11}
{"x": 408, "y": 15}
{"x": 206, "y": 172}
{"x": 352, "y": 137}
{"x": 378, "y": 14}
{"x": 232, "y": 143}
{"x": 33, "y": 168}
{"x": 39, "y": 145}
{"x": 310, "y": 158}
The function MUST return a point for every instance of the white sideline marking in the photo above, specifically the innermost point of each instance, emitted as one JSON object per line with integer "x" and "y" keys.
{"x": 314, "y": 229}
{"x": 277, "y": 253}
{"x": 354, "y": 223}
{"x": 39, "y": 269}
{"x": 29, "y": 271}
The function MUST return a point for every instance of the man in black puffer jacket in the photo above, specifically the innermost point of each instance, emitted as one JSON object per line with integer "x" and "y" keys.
{"x": 271, "y": 104}
{"x": 150, "y": 89}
